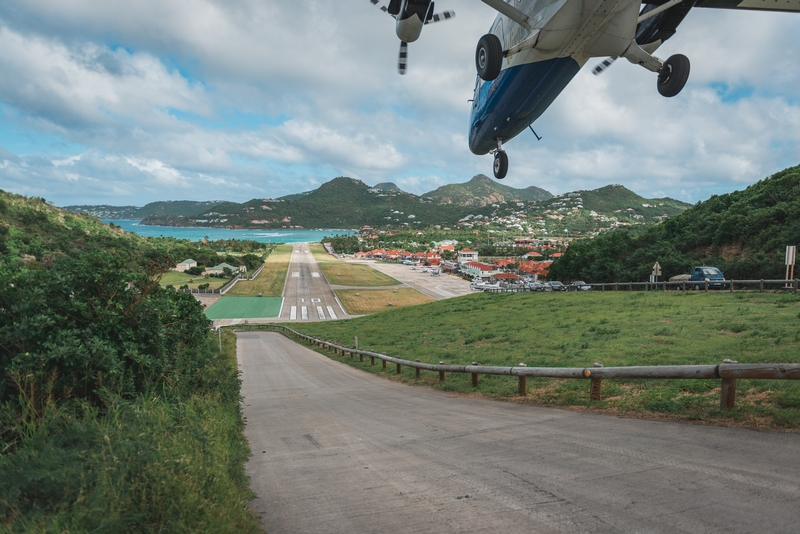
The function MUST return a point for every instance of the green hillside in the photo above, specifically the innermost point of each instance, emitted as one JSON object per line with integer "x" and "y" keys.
{"x": 744, "y": 233}
{"x": 180, "y": 208}
{"x": 388, "y": 186}
{"x": 482, "y": 191}
{"x": 340, "y": 203}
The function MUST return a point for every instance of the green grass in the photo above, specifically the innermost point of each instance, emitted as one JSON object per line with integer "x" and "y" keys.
{"x": 320, "y": 254}
{"x": 367, "y": 301}
{"x": 174, "y": 278}
{"x": 271, "y": 279}
{"x": 244, "y": 308}
{"x": 615, "y": 329}
{"x": 349, "y": 274}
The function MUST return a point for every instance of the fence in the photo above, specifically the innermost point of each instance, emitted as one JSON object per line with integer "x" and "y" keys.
{"x": 683, "y": 285}
{"x": 728, "y": 371}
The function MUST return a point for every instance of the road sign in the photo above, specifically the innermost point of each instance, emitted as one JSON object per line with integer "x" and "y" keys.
{"x": 657, "y": 269}
{"x": 791, "y": 254}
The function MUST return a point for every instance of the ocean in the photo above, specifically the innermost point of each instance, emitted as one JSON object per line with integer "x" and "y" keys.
{"x": 213, "y": 234}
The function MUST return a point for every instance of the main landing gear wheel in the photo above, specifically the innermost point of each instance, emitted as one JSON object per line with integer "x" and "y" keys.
{"x": 489, "y": 57}
{"x": 500, "y": 164}
{"x": 673, "y": 75}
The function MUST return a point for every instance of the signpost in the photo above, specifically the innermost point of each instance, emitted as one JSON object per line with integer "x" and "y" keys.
{"x": 656, "y": 273}
{"x": 791, "y": 254}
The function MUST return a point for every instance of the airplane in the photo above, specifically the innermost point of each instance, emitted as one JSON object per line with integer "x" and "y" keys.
{"x": 535, "y": 48}
{"x": 411, "y": 16}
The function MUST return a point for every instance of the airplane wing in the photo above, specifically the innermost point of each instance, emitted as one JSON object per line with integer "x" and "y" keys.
{"x": 757, "y": 5}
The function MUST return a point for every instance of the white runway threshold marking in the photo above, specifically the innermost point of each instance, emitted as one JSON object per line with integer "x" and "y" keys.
{"x": 314, "y": 275}
{"x": 295, "y": 275}
{"x": 304, "y": 313}
{"x": 293, "y": 314}
{"x": 321, "y": 312}
{"x": 332, "y": 313}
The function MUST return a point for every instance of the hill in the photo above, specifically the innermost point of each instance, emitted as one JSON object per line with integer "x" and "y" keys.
{"x": 388, "y": 186}
{"x": 483, "y": 191}
{"x": 184, "y": 208}
{"x": 744, "y": 233}
{"x": 340, "y": 203}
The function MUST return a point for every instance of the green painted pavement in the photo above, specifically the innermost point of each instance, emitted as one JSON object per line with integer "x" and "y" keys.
{"x": 245, "y": 308}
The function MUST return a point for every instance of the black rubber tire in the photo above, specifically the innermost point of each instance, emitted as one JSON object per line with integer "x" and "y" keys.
{"x": 673, "y": 75}
{"x": 489, "y": 57}
{"x": 500, "y": 165}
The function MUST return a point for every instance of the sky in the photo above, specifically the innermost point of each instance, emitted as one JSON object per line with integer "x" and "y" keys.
{"x": 129, "y": 102}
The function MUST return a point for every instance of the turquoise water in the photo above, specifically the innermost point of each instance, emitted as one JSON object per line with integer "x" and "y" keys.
{"x": 198, "y": 234}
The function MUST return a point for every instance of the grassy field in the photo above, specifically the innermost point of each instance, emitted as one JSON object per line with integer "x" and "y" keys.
{"x": 615, "y": 329}
{"x": 348, "y": 274}
{"x": 269, "y": 283}
{"x": 368, "y": 301}
{"x": 320, "y": 254}
{"x": 174, "y": 278}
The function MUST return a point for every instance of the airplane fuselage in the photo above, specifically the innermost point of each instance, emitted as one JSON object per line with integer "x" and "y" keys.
{"x": 542, "y": 59}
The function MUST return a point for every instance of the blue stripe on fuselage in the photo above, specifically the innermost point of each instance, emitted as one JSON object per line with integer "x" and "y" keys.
{"x": 504, "y": 107}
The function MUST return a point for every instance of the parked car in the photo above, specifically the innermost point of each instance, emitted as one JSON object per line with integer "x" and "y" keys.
{"x": 534, "y": 286}
{"x": 706, "y": 273}
{"x": 555, "y": 285}
{"x": 579, "y": 285}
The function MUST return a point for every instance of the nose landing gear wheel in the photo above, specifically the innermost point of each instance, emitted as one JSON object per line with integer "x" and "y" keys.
{"x": 673, "y": 75}
{"x": 500, "y": 164}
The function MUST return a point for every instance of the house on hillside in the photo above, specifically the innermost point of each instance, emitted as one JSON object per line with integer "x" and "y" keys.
{"x": 185, "y": 265}
{"x": 219, "y": 269}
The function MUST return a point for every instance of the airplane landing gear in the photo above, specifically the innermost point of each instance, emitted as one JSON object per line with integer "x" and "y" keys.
{"x": 500, "y": 162}
{"x": 672, "y": 75}
{"x": 489, "y": 57}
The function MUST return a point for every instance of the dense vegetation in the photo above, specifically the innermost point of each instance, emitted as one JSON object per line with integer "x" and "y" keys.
{"x": 744, "y": 233}
{"x": 186, "y": 208}
{"x": 118, "y": 410}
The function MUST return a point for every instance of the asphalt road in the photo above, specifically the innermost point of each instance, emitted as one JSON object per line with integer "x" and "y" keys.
{"x": 342, "y": 451}
{"x": 307, "y": 294}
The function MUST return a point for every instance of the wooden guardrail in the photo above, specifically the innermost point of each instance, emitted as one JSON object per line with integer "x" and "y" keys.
{"x": 728, "y": 371}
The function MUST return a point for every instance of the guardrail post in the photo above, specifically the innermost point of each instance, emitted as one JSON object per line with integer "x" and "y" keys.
{"x": 361, "y": 357}
{"x": 796, "y": 284}
{"x": 616, "y": 286}
{"x": 727, "y": 398}
{"x": 384, "y": 363}
{"x": 474, "y": 377}
{"x": 523, "y": 383}
{"x": 399, "y": 369}
{"x": 441, "y": 373}
{"x": 372, "y": 359}
{"x": 706, "y": 286}
{"x": 761, "y": 286}
{"x": 597, "y": 385}
{"x": 417, "y": 369}
{"x": 731, "y": 286}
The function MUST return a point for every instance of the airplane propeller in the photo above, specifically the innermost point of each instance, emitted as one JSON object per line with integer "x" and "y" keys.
{"x": 394, "y": 10}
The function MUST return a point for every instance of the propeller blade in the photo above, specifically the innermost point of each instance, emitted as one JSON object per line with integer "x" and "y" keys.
{"x": 444, "y": 15}
{"x": 382, "y": 7}
{"x": 603, "y": 66}
{"x": 403, "y": 57}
